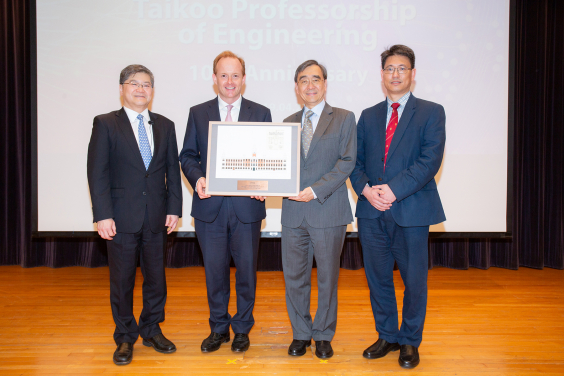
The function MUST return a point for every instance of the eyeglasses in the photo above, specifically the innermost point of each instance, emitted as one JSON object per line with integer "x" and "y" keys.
{"x": 314, "y": 81}
{"x": 391, "y": 70}
{"x": 138, "y": 85}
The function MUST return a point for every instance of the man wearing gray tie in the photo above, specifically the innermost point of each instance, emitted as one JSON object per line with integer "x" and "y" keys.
{"x": 314, "y": 223}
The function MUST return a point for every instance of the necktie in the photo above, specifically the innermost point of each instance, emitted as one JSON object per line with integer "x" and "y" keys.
{"x": 392, "y": 125}
{"x": 228, "y": 117}
{"x": 307, "y": 132}
{"x": 144, "y": 146}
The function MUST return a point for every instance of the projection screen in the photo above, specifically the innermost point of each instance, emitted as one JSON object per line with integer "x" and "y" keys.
{"x": 462, "y": 63}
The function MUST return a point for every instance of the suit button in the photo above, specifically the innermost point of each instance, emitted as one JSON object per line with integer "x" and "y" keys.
{"x": 146, "y": 175}
{"x": 379, "y": 179}
{"x": 382, "y": 159}
{"x": 145, "y": 193}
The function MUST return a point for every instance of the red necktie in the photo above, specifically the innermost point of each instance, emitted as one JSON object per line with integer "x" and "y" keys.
{"x": 392, "y": 125}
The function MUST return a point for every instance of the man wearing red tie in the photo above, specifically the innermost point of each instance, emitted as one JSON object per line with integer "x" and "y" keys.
{"x": 400, "y": 149}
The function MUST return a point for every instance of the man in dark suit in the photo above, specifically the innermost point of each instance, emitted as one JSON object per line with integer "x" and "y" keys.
{"x": 226, "y": 226}
{"x": 136, "y": 194}
{"x": 315, "y": 221}
{"x": 400, "y": 149}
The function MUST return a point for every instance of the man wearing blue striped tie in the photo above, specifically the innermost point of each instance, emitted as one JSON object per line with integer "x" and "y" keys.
{"x": 134, "y": 180}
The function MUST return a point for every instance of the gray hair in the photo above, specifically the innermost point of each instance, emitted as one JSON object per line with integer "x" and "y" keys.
{"x": 306, "y": 64}
{"x": 132, "y": 70}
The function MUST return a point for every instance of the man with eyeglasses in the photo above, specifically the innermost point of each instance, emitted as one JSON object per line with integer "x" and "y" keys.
{"x": 134, "y": 181}
{"x": 400, "y": 149}
{"x": 314, "y": 223}
{"x": 226, "y": 226}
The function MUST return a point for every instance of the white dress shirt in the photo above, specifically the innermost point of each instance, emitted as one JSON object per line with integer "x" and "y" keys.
{"x": 234, "y": 111}
{"x": 132, "y": 115}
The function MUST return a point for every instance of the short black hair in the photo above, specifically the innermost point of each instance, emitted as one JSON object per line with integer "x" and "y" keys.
{"x": 132, "y": 70}
{"x": 398, "y": 49}
{"x": 306, "y": 64}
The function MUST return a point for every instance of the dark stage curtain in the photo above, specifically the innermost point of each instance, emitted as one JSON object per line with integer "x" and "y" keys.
{"x": 535, "y": 190}
{"x": 15, "y": 133}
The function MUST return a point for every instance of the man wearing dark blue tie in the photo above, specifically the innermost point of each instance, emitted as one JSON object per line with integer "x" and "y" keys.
{"x": 400, "y": 149}
{"x": 136, "y": 194}
{"x": 226, "y": 226}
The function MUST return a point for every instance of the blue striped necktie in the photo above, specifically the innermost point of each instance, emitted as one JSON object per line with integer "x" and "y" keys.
{"x": 144, "y": 146}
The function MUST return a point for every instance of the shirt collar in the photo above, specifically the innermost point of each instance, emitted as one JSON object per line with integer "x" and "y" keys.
{"x": 317, "y": 110}
{"x": 402, "y": 101}
{"x": 132, "y": 115}
{"x": 223, "y": 104}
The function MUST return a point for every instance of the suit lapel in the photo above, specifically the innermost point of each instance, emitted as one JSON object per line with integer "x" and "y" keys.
{"x": 157, "y": 136}
{"x": 213, "y": 110}
{"x": 324, "y": 121}
{"x": 246, "y": 111}
{"x": 402, "y": 125}
{"x": 125, "y": 126}
{"x": 381, "y": 115}
{"x": 298, "y": 119}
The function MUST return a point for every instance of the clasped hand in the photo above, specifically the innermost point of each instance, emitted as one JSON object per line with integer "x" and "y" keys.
{"x": 379, "y": 196}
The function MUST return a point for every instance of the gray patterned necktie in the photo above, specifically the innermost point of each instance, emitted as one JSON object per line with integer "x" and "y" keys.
{"x": 307, "y": 132}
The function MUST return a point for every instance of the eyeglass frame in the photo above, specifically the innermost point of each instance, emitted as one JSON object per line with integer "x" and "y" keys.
{"x": 136, "y": 85}
{"x": 393, "y": 69}
{"x": 306, "y": 81}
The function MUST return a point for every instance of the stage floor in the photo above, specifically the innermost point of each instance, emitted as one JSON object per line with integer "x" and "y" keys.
{"x": 486, "y": 322}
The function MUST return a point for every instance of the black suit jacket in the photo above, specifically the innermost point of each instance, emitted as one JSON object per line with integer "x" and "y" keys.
{"x": 194, "y": 157}
{"x": 120, "y": 187}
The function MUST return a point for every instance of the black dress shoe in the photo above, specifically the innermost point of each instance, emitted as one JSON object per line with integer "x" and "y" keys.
{"x": 409, "y": 356}
{"x": 298, "y": 347}
{"x": 240, "y": 343}
{"x": 380, "y": 349}
{"x": 323, "y": 349}
{"x": 123, "y": 354}
{"x": 160, "y": 343}
{"x": 214, "y": 341}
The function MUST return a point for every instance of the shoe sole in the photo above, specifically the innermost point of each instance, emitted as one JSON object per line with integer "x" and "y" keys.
{"x": 149, "y": 344}
{"x": 367, "y": 356}
{"x": 324, "y": 356}
{"x": 209, "y": 351}
{"x": 122, "y": 363}
{"x": 300, "y": 354}
{"x": 240, "y": 350}
{"x": 407, "y": 365}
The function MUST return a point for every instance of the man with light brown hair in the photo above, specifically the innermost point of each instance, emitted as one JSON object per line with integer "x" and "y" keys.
{"x": 225, "y": 226}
